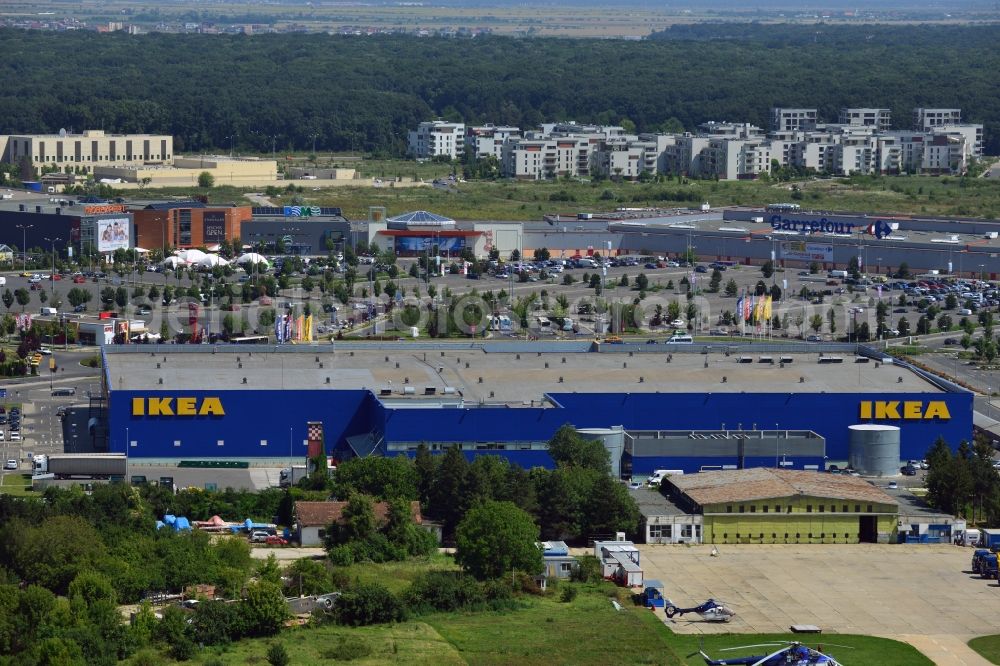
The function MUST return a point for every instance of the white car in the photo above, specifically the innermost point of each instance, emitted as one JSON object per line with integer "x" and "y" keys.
{"x": 10, "y": 464}
{"x": 15, "y": 436}
{"x": 678, "y": 323}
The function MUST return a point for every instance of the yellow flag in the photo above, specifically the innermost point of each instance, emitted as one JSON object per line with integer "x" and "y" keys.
{"x": 767, "y": 308}
{"x": 759, "y": 314}
{"x": 309, "y": 328}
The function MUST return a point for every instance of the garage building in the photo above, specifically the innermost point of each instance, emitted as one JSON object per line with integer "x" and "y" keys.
{"x": 765, "y": 505}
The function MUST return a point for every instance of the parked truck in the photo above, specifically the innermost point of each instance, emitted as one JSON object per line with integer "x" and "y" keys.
{"x": 290, "y": 476}
{"x": 988, "y": 566}
{"x": 990, "y": 539}
{"x": 80, "y": 465}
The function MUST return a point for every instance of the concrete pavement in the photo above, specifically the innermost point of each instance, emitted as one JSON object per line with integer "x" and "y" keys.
{"x": 920, "y": 594}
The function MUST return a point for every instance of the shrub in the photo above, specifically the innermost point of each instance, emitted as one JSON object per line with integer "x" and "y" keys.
{"x": 277, "y": 655}
{"x": 568, "y": 594}
{"x": 588, "y": 571}
{"x": 347, "y": 648}
{"x": 183, "y": 649}
{"x": 445, "y": 591}
{"x": 369, "y": 604}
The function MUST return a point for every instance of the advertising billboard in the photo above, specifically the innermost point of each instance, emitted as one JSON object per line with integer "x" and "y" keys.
{"x": 799, "y": 251}
{"x": 112, "y": 234}
{"x": 427, "y": 243}
{"x": 214, "y": 226}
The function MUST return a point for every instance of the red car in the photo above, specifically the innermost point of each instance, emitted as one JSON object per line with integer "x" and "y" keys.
{"x": 56, "y": 276}
{"x": 79, "y": 279}
{"x": 274, "y": 540}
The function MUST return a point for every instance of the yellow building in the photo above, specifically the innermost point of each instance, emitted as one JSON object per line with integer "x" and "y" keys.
{"x": 237, "y": 171}
{"x": 762, "y": 505}
{"x": 75, "y": 152}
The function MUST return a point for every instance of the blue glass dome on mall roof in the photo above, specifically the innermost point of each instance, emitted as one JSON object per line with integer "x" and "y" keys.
{"x": 418, "y": 217}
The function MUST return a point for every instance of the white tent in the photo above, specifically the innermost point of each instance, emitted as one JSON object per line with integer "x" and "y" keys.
{"x": 141, "y": 250}
{"x": 211, "y": 261}
{"x": 252, "y": 258}
{"x": 174, "y": 262}
{"x": 191, "y": 256}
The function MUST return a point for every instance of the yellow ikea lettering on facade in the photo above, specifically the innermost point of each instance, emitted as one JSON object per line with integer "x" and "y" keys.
{"x": 185, "y": 406}
{"x": 906, "y": 410}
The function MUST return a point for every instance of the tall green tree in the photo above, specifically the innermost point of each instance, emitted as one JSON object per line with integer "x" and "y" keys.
{"x": 569, "y": 449}
{"x": 496, "y": 538}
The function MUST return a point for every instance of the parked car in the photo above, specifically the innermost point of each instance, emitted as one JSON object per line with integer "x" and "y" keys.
{"x": 909, "y": 470}
{"x": 951, "y": 341}
{"x": 10, "y": 464}
{"x": 259, "y": 537}
{"x": 275, "y": 540}
{"x": 80, "y": 308}
{"x": 678, "y": 323}
{"x": 700, "y": 269}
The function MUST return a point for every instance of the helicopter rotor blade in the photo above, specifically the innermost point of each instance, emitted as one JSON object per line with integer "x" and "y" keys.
{"x": 747, "y": 647}
{"x": 849, "y": 647}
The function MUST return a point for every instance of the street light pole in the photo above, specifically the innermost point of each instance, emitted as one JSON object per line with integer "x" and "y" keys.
{"x": 52, "y": 276}
{"x": 24, "y": 245}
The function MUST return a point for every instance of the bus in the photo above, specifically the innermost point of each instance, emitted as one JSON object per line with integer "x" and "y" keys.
{"x": 250, "y": 340}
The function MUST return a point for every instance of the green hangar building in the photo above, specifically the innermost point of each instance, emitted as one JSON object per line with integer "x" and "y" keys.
{"x": 763, "y": 505}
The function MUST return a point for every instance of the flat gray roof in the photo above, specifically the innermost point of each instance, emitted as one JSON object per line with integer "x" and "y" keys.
{"x": 652, "y": 503}
{"x": 513, "y": 378}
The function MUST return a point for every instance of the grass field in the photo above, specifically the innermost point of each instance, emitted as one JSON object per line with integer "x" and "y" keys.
{"x": 512, "y": 200}
{"x": 988, "y": 647}
{"x": 16, "y": 484}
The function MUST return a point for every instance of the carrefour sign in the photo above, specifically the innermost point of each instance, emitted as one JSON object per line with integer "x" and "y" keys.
{"x": 904, "y": 410}
{"x": 822, "y": 225}
{"x": 183, "y": 406}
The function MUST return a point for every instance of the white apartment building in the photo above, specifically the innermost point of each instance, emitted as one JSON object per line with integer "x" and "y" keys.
{"x": 621, "y": 160}
{"x": 487, "y": 140}
{"x": 572, "y": 128}
{"x": 736, "y": 159}
{"x": 790, "y": 120}
{"x": 880, "y": 119}
{"x": 860, "y": 143}
{"x": 437, "y": 138}
{"x": 925, "y": 119}
{"x": 539, "y": 159}
{"x": 69, "y": 153}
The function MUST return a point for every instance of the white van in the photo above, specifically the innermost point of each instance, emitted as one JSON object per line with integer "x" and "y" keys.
{"x": 680, "y": 340}
{"x": 837, "y": 274}
{"x": 660, "y": 474}
{"x": 49, "y": 311}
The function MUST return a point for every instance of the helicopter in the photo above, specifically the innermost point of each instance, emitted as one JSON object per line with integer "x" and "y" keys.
{"x": 790, "y": 653}
{"x": 710, "y": 611}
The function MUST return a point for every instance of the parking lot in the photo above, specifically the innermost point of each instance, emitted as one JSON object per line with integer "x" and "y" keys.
{"x": 919, "y": 594}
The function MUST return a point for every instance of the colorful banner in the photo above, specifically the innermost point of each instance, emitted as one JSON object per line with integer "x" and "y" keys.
{"x": 801, "y": 251}
{"x": 113, "y": 234}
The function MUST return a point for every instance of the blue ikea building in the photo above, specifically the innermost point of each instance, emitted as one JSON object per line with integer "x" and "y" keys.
{"x": 255, "y": 402}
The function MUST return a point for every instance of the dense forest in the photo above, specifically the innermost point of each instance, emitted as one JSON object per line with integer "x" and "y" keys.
{"x": 340, "y": 93}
